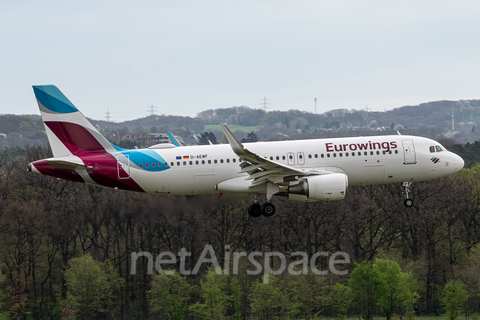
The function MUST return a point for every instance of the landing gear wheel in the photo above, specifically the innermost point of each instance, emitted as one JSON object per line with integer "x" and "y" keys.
{"x": 408, "y": 203}
{"x": 255, "y": 210}
{"x": 268, "y": 209}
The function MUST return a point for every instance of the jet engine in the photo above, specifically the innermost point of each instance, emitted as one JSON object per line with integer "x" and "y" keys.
{"x": 323, "y": 187}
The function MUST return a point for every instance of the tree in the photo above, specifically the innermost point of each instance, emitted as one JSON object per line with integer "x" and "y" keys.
{"x": 212, "y": 291}
{"x": 205, "y": 137}
{"x": 265, "y": 298}
{"x": 236, "y": 297}
{"x": 88, "y": 286}
{"x": 342, "y": 298}
{"x": 389, "y": 274}
{"x": 251, "y": 137}
{"x": 365, "y": 285}
{"x": 409, "y": 296}
{"x": 454, "y": 297}
{"x": 170, "y": 295}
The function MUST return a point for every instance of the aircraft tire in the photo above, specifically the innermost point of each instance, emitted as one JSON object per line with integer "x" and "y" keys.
{"x": 408, "y": 203}
{"x": 268, "y": 209}
{"x": 255, "y": 210}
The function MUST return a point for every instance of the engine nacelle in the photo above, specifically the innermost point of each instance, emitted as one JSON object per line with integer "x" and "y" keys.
{"x": 323, "y": 187}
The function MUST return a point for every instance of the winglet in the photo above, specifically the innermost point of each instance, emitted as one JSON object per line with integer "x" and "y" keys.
{"x": 236, "y": 145}
{"x": 173, "y": 139}
{"x": 399, "y": 133}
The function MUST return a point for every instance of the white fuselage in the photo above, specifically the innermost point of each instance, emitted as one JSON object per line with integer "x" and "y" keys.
{"x": 365, "y": 160}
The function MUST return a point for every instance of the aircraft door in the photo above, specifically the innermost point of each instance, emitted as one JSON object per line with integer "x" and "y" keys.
{"x": 409, "y": 152}
{"x": 123, "y": 167}
{"x": 290, "y": 158}
{"x": 300, "y": 158}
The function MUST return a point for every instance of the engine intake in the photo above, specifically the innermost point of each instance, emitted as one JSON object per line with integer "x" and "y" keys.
{"x": 324, "y": 187}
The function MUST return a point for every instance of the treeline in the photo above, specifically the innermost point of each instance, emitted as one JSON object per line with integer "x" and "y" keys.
{"x": 47, "y": 224}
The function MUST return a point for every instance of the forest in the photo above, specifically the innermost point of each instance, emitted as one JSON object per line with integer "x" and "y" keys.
{"x": 66, "y": 248}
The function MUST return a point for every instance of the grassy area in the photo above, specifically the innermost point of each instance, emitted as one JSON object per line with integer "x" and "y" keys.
{"x": 232, "y": 127}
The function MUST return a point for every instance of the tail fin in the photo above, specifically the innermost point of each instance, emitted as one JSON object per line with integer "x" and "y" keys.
{"x": 68, "y": 131}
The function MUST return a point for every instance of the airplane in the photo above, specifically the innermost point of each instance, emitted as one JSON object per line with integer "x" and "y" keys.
{"x": 301, "y": 170}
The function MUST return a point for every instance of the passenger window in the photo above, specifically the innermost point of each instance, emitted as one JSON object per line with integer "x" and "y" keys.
{"x": 153, "y": 165}
{"x": 334, "y": 155}
{"x": 271, "y": 158}
{"x": 178, "y": 163}
{"x": 365, "y": 153}
{"x": 215, "y": 161}
{"x": 359, "y": 153}
{"x": 196, "y": 162}
{"x": 316, "y": 156}
{"x": 390, "y": 152}
{"x": 209, "y": 161}
{"x": 328, "y": 155}
{"x": 221, "y": 160}
{"x": 234, "y": 160}
{"x": 346, "y": 154}
{"x": 378, "y": 152}
{"x": 184, "y": 163}
{"x": 353, "y": 154}
{"x": 432, "y": 149}
{"x": 141, "y": 165}
{"x": 396, "y": 151}
{"x": 371, "y": 153}
{"x": 278, "y": 158}
{"x": 300, "y": 157}
{"x": 309, "y": 156}
{"x": 340, "y": 154}
{"x": 228, "y": 160}
{"x": 283, "y": 157}
{"x": 146, "y": 165}
{"x": 321, "y": 155}
{"x": 203, "y": 161}
{"x": 290, "y": 157}
{"x": 191, "y": 162}
{"x": 171, "y": 164}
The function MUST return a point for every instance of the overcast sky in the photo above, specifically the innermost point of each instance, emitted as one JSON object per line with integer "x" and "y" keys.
{"x": 190, "y": 56}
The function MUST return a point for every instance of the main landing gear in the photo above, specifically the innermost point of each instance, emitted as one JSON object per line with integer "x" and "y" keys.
{"x": 408, "y": 202}
{"x": 256, "y": 210}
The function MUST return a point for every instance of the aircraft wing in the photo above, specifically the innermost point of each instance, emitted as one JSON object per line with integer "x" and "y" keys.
{"x": 260, "y": 169}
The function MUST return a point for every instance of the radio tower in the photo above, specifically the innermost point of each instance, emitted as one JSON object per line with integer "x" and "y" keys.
{"x": 151, "y": 109}
{"x": 264, "y": 102}
{"x": 108, "y": 115}
{"x": 453, "y": 122}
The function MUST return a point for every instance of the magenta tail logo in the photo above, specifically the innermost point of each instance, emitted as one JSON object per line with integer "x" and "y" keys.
{"x": 435, "y": 159}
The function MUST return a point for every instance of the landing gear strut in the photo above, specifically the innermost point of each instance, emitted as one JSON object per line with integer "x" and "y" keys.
{"x": 256, "y": 210}
{"x": 408, "y": 202}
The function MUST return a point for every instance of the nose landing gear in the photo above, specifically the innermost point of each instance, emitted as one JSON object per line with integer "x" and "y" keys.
{"x": 408, "y": 202}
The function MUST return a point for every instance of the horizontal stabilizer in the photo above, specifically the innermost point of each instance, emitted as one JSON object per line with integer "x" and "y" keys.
{"x": 69, "y": 163}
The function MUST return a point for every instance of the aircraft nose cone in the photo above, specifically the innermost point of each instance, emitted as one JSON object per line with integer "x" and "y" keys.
{"x": 458, "y": 163}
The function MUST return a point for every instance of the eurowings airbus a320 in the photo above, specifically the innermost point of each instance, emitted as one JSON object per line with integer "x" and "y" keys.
{"x": 302, "y": 170}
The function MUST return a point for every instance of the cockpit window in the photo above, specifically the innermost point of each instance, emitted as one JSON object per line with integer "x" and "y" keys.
{"x": 438, "y": 148}
{"x": 432, "y": 149}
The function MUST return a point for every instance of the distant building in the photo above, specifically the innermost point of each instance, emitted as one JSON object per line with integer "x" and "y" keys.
{"x": 145, "y": 140}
